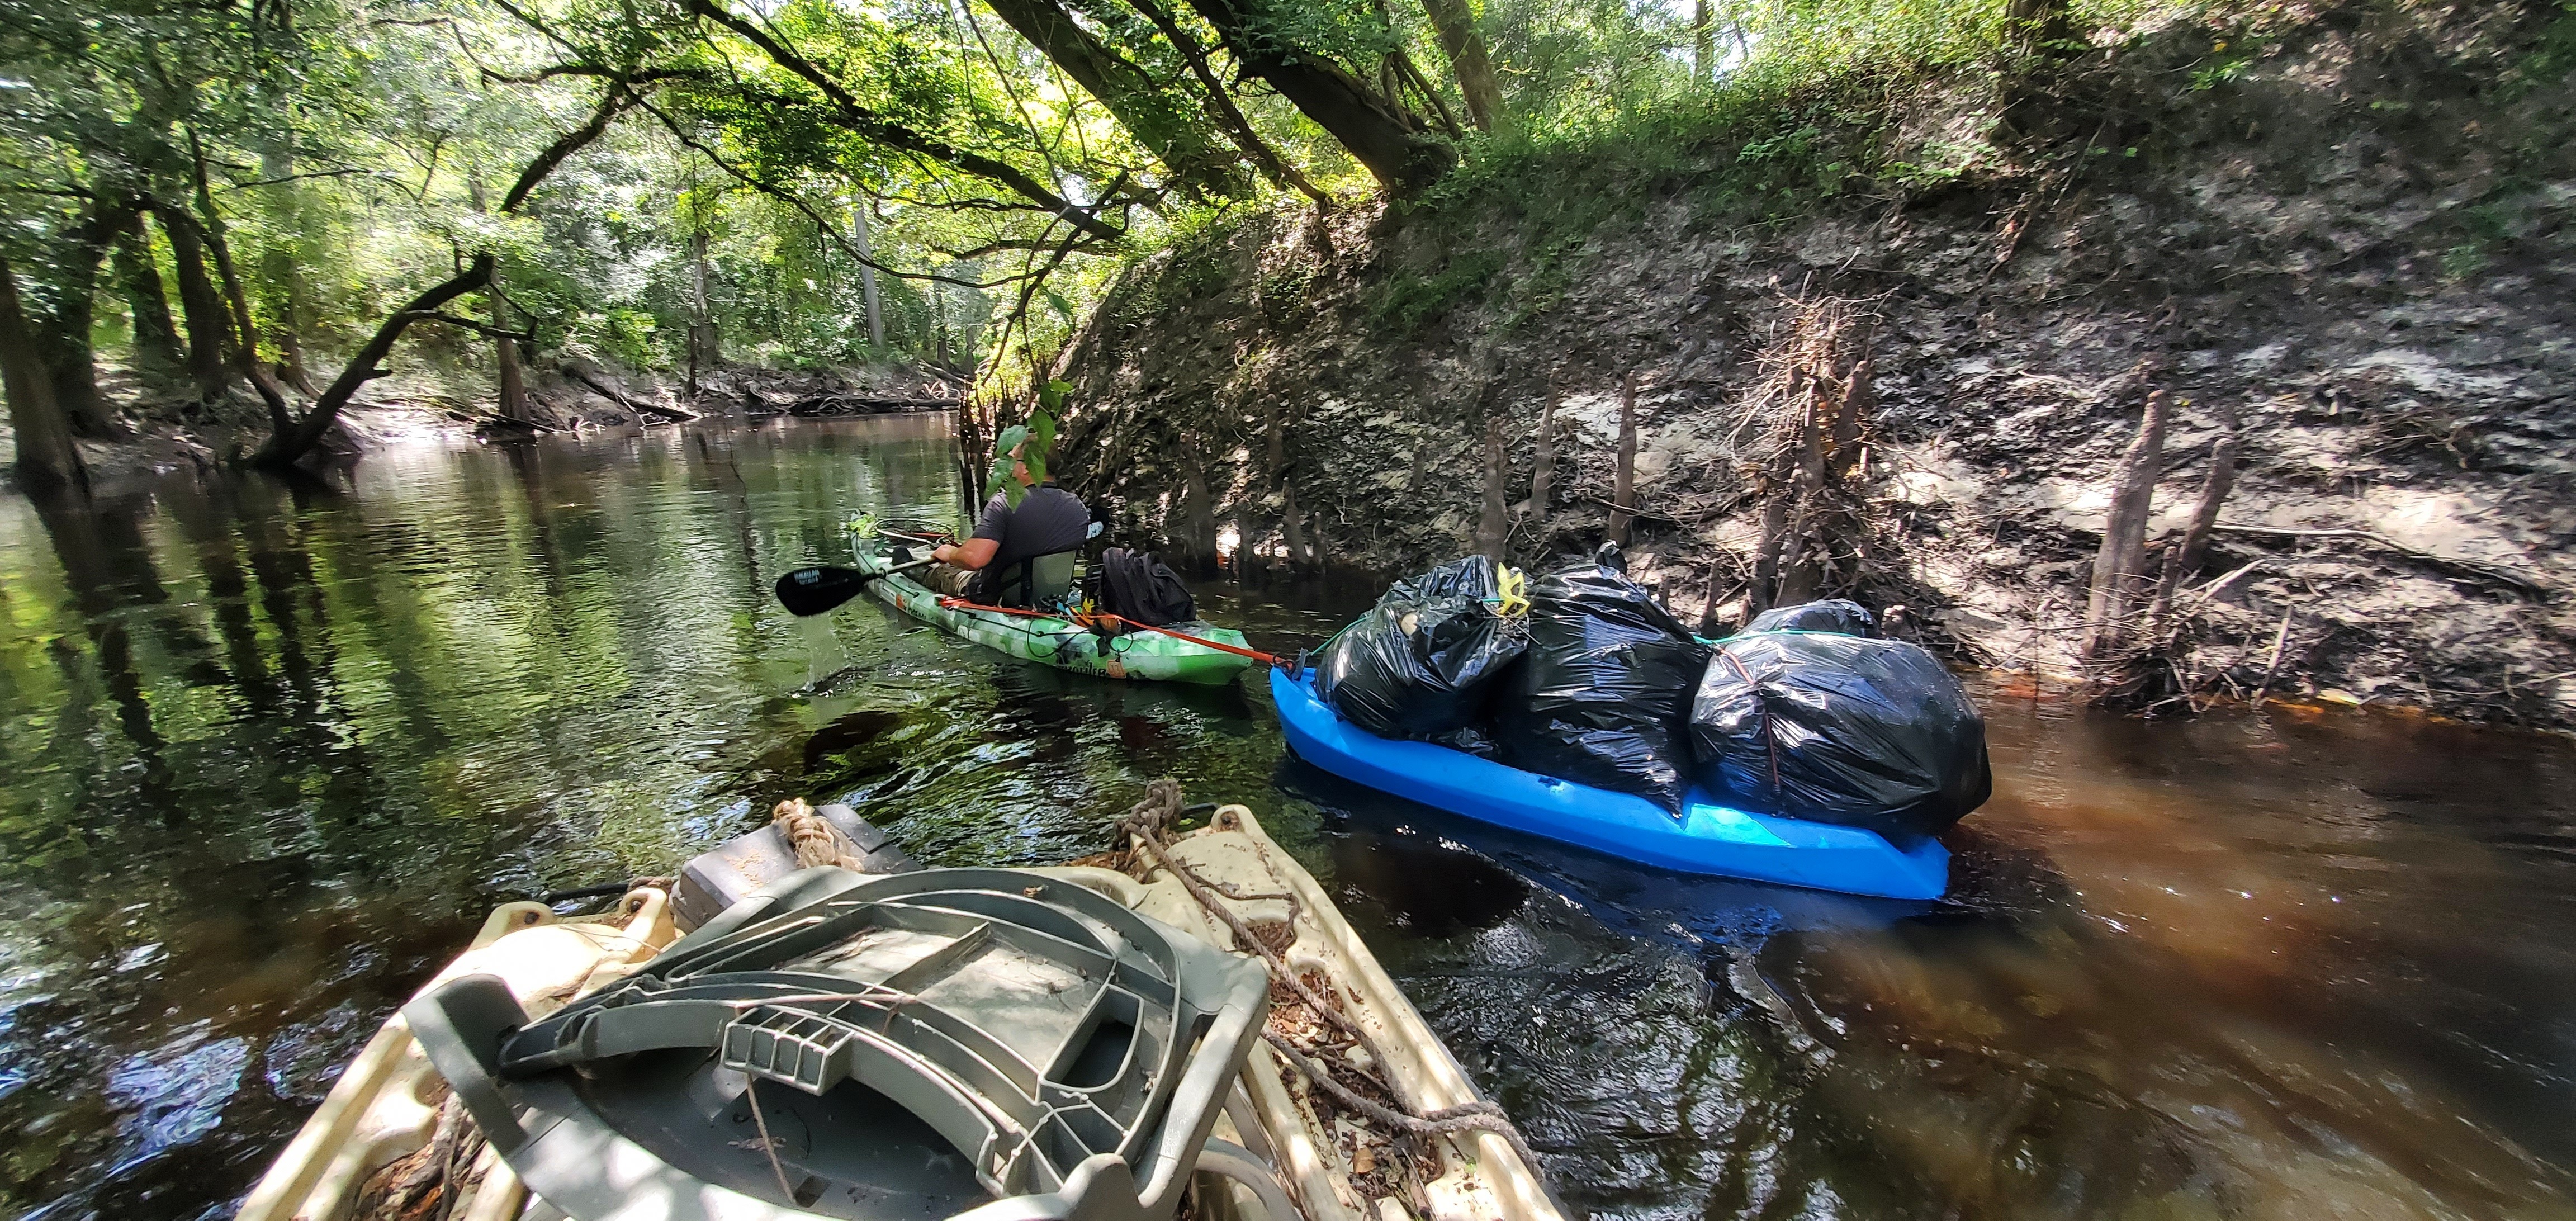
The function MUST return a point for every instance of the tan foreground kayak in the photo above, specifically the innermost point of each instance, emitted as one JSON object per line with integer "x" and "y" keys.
{"x": 1394, "y": 1131}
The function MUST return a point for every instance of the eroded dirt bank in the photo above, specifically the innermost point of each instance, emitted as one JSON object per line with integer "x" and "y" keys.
{"x": 2353, "y": 233}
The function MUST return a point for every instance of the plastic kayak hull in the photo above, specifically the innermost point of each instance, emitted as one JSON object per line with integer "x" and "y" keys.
{"x": 1061, "y": 643}
{"x": 1709, "y": 839}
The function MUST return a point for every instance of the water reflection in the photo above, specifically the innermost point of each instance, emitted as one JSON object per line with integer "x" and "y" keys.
{"x": 273, "y": 748}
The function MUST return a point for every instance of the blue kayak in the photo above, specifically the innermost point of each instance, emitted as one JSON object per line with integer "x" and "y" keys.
{"x": 1710, "y": 838}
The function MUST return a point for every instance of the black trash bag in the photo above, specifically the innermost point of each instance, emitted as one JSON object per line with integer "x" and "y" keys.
{"x": 1841, "y": 729}
{"x": 1603, "y": 695}
{"x": 1417, "y": 669}
{"x": 1472, "y": 577}
{"x": 1831, "y": 615}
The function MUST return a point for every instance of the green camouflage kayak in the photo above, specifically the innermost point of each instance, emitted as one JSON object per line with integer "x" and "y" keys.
{"x": 1058, "y": 642}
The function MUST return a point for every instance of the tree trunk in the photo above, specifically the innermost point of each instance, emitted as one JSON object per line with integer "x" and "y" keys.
{"x": 1493, "y": 524}
{"x": 1302, "y": 551}
{"x": 512, "y": 381}
{"x": 246, "y": 348}
{"x": 2117, "y": 566}
{"x": 1803, "y": 545}
{"x": 1860, "y": 402}
{"x": 1623, "y": 477}
{"x": 1221, "y": 101}
{"x": 1402, "y": 156}
{"x": 47, "y": 460}
{"x": 288, "y": 445}
{"x": 1778, "y": 489}
{"x": 156, "y": 338}
{"x": 1466, "y": 51}
{"x": 868, "y": 276}
{"x": 1179, "y": 134}
{"x": 1543, "y": 479}
{"x": 1197, "y": 541}
{"x": 509, "y": 381}
{"x": 706, "y": 341}
{"x": 2184, "y": 559}
{"x": 1703, "y": 43}
{"x": 200, "y": 305}
{"x": 61, "y": 330}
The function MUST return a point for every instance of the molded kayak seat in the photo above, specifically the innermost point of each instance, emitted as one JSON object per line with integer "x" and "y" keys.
{"x": 1709, "y": 838}
{"x": 913, "y": 1046}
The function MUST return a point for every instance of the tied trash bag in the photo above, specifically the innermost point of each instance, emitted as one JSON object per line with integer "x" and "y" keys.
{"x": 1418, "y": 665}
{"x": 1603, "y": 695}
{"x": 1831, "y": 615}
{"x": 1472, "y": 577}
{"x": 1833, "y": 728}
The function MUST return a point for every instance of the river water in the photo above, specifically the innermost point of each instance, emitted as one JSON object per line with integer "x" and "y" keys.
{"x": 270, "y": 750}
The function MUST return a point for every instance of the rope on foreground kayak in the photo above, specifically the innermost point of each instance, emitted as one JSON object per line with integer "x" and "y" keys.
{"x": 1096, "y": 619}
{"x": 1146, "y": 824}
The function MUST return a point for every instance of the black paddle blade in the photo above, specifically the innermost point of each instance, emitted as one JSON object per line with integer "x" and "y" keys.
{"x": 812, "y": 591}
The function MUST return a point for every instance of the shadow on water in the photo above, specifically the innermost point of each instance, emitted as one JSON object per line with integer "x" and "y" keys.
{"x": 273, "y": 748}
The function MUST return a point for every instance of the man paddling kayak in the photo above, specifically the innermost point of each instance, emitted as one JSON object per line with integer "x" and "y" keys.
{"x": 989, "y": 566}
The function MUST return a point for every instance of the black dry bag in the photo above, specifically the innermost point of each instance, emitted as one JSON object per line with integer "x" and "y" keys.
{"x": 1603, "y": 695}
{"x": 1841, "y": 729}
{"x": 1141, "y": 589}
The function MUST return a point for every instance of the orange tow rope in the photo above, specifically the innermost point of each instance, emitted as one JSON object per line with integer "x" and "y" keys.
{"x": 1104, "y": 618}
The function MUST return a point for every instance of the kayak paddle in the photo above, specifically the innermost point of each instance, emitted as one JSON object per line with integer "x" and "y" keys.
{"x": 812, "y": 591}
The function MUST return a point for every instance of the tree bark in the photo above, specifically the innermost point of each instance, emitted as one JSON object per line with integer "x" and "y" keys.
{"x": 1543, "y": 478}
{"x": 2185, "y": 558}
{"x": 1860, "y": 402}
{"x": 868, "y": 275}
{"x": 1197, "y": 543}
{"x": 1493, "y": 524}
{"x": 1803, "y": 542}
{"x": 1468, "y": 60}
{"x": 48, "y": 461}
{"x": 1398, "y": 152}
{"x": 1623, "y": 476}
{"x": 1778, "y": 490}
{"x": 61, "y": 330}
{"x": 2117, "y": 566}
{"x": 1162, "y": 121}
{"x": 200, "y": 305}
{"x": 1703, "y": 43}
{"x": 512, "y": 382}
{"x": 245, "y": 346}
{"x": 156, "y": 337}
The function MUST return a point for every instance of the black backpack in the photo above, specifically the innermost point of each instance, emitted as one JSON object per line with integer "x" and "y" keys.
{"x": 1141, "y": 589}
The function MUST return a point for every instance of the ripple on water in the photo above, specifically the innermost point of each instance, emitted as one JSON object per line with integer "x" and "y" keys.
{"x": 272, "y": 751}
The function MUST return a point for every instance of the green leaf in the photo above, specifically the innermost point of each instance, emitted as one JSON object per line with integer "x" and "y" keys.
{"x": 1002, "y": 462}
{"x": 1041, "y": 443}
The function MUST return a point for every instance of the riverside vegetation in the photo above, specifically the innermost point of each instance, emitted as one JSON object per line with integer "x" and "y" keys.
{"x": 1808, "y": 297}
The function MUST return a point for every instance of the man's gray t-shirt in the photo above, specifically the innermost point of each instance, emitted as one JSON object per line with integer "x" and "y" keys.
{"x": 1048, "y": 520}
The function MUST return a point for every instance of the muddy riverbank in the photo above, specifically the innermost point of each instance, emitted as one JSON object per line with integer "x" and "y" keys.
{"x": 2354, "y": 241}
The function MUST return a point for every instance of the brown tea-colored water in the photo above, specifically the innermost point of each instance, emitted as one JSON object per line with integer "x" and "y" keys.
{"x": 270, "y": 750}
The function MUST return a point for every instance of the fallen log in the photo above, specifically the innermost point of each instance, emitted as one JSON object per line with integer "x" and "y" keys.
{"x": 637, "y": 406}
